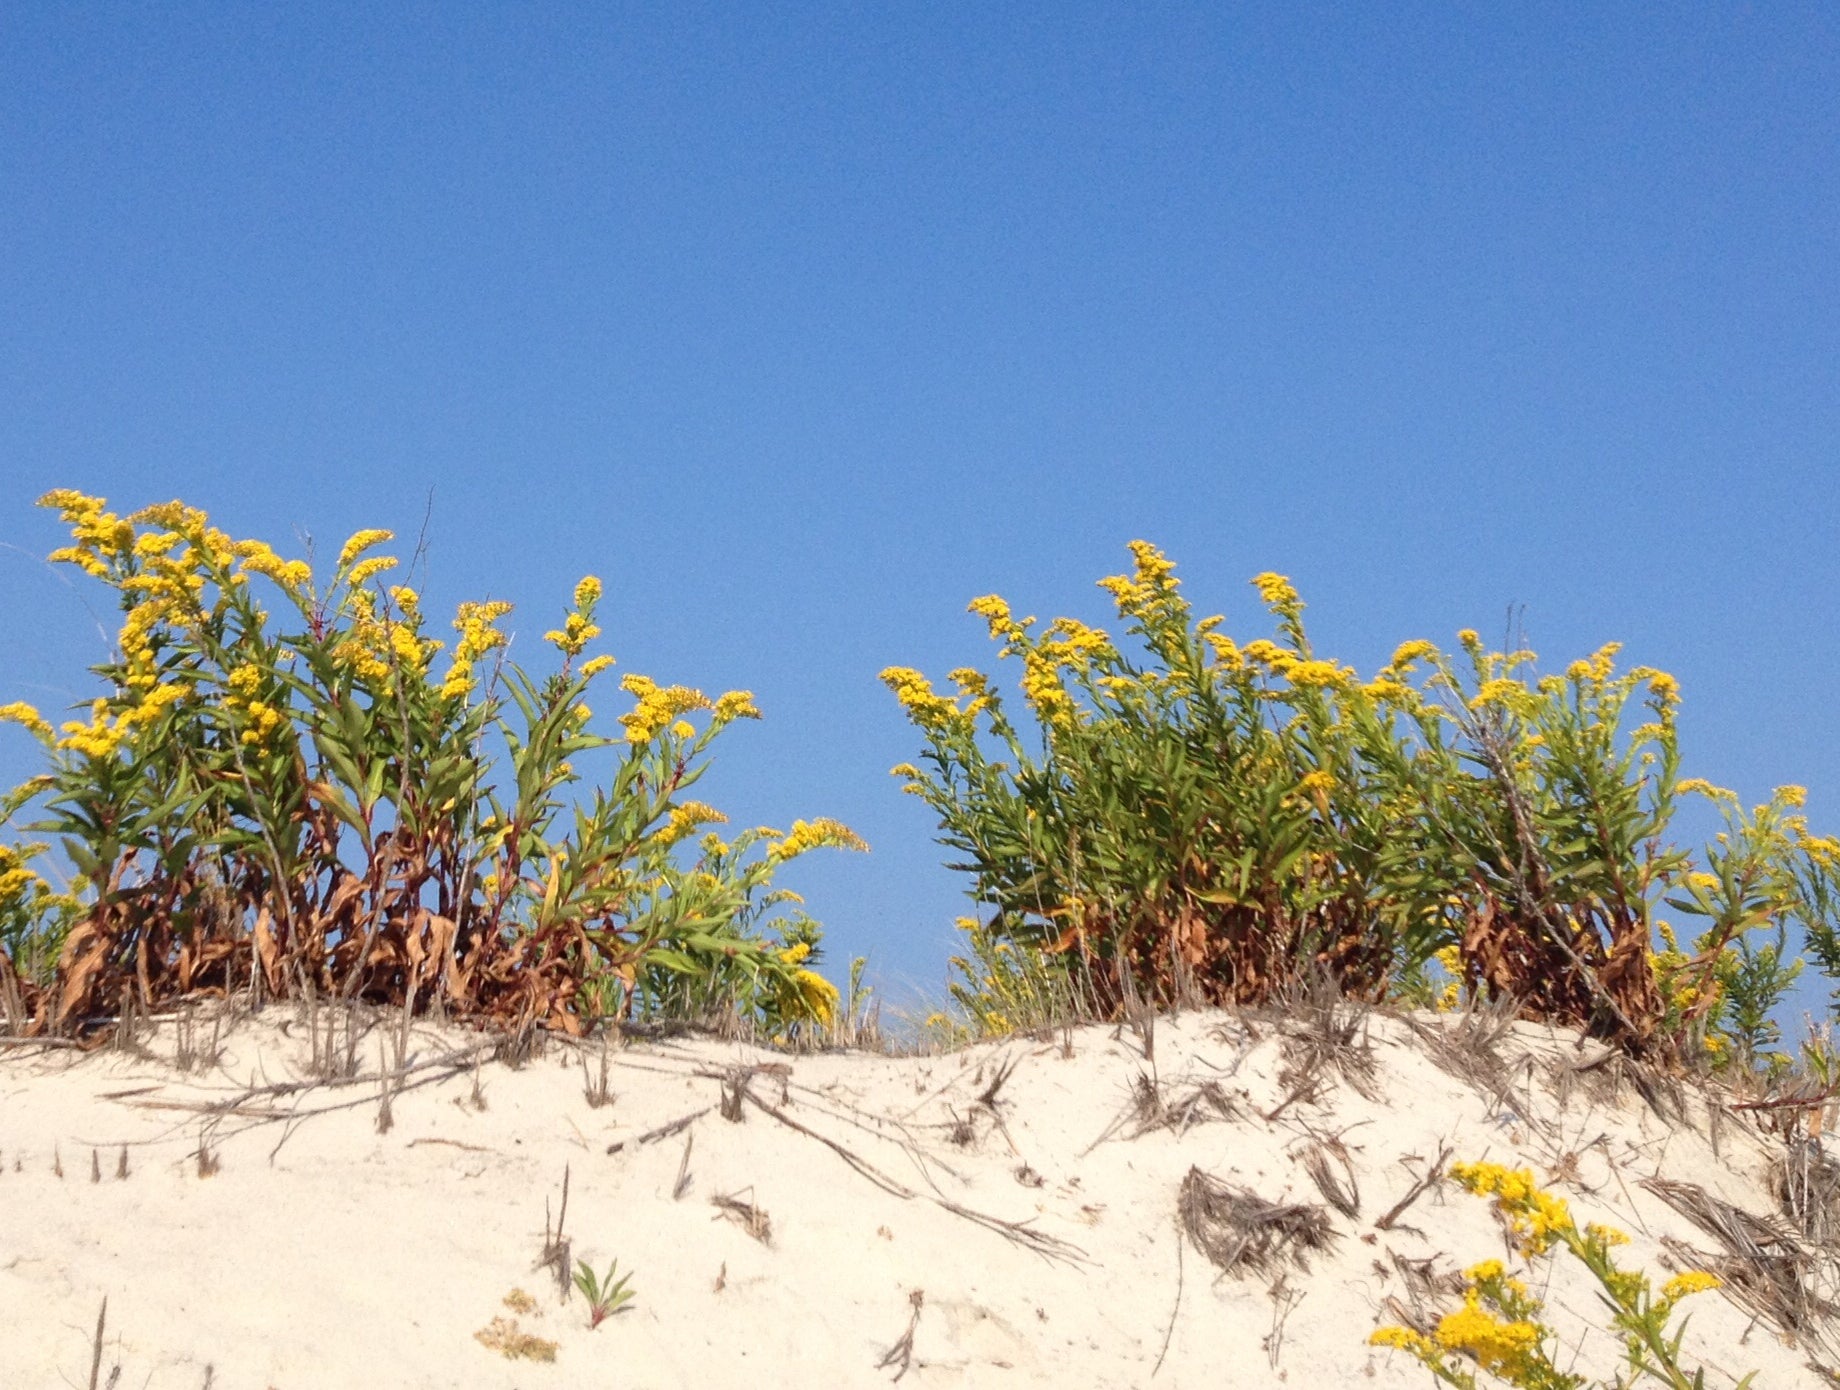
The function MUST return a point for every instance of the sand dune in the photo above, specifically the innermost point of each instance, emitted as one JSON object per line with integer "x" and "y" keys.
{"x": 1008, "y": 1215}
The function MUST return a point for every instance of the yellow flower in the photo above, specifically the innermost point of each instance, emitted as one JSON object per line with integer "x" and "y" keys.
{"x": 817, "y": 996}
{"x": 687, "y": 818}
{"x": 658, "y": 707}
{"x": 587, "y": 593}
{"x": 994, "y": 611}
{"x": 1226, "y": 652}
{"x": 366, "y": 570}
{"x": 915, "y": 692}
{"x": 1409, "y": 654}
{"x": 1497, "y": 1344}
{"x": 574, "y": 634}
{"x": 1536, "y": 1217}
{"x": 19, "y": 712}
{"x": 1689, "y": 1283}
{"x": 736, "y": 704}
{"x": 594, "y": 665}
{"x": 1275, "y": 590}
{"x": 822, "y": 833}
{"x": 1316, "y": 673}
{"x": 361, "y": 542}
{"x": 1405, "y": 1339}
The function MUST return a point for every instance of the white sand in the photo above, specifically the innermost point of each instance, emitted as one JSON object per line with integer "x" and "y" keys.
{"x": 326, "y": 1254}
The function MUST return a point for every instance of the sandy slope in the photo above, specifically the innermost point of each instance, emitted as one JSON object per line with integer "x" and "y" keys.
{"x": 323, "y": 1253}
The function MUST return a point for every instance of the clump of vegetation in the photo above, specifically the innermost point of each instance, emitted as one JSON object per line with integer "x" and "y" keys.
{"x": 1212, "y": 821}
{"x": 504, "y": 1336}
{"x": 289, "y": 785}
{"x": 605, "y": 1295}
{"x": 1499, "y": 1328}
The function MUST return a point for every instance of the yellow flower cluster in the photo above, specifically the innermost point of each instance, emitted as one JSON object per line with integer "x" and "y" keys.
{"x": 477, "y": 625}
{"x": 1500, "y": 1345}
{"x": 579, "y": 628}
{"x": 1687, "y": 1284}
{"x": 1536, "y": 1217}
{"x": 19, "y": 886}
{"x": 1276, "y": 592}
{"x": 1596, "y": 668}
{"x": 1227, "y": 655}
{"x": 292, "y": 576}
{"x": 19, "y": 712}
{"x": 380, "y": 645}
{"x": 1322, "y": 674}
{"x": 1152, "y": 579}
{"x": 362, "y": 541}
{"x": 102, "y": 736}
{"x": 1043, "y": 688}
{"x": 1409, "y": 654}
{"x": 736, "y": 704}
{"x": 994, "y": 611}
{"x": 103, "y": 541}
{"x": 822, "y": 833}
{"x": 817, "y": 996}
{"x": 915, "y": 692}
{"x": 686, "y": 819}
{"x": 259, "y": 720}
{"x": 659, "y": 706}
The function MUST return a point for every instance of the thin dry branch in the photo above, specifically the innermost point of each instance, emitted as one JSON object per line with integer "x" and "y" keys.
{"x": 1019, "y": 1232}
{"x": 1418, "y": 1189}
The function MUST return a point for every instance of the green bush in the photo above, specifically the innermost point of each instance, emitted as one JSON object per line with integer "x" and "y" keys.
{"x": 1212, "y": 820}
{"x": 291, "y": 786}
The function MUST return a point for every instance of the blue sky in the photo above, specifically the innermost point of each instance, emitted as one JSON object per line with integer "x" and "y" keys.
{"x": 802, "y": 329}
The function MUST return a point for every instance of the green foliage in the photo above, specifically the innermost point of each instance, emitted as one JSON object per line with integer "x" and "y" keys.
{"x": 290, "y": 786}
{"x": 605, "y": 1296}
{"x": 1215, "y": 820}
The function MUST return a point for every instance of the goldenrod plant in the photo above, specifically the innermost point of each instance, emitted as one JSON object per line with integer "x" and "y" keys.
{"x": 1499, "y": 1327}
{"x": 289, "y": 783}
{"x": 1195, "y": 816}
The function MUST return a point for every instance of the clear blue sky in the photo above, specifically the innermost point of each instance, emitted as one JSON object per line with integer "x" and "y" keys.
{"x": 804, "y": 328}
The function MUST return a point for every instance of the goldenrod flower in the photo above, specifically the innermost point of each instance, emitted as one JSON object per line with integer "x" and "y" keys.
{"x": 366, "y": 570}
{"x": 361, "y": 542}
{"x": 994, "y": 611}
{"x": 1536, "y": 1217}
{"x": 736, "y": 704}
{"x": 822, "y": 833}
{"x": 1690, "y": 1282}
{"x": 19, "y": 712}
{"x": 1409, "y": 654}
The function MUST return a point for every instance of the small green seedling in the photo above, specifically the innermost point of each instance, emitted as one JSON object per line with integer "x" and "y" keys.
{"x": 605, "y": 1297}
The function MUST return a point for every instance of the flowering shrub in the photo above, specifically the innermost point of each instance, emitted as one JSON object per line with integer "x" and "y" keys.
{"x": 1498, "y": 1327}
{"x": 1218, "y": 819}
{"x": 290, "y": 785}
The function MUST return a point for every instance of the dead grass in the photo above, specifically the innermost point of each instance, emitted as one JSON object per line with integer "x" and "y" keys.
{"x": 504, "y": 1336}
{"x": 746, "y": 1214}
{"x": 1767, "y": 1269}
{"x": 1241, "y": 1232}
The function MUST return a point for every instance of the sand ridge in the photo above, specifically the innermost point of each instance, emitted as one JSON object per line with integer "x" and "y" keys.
{"x": 1008, "y": 1215}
